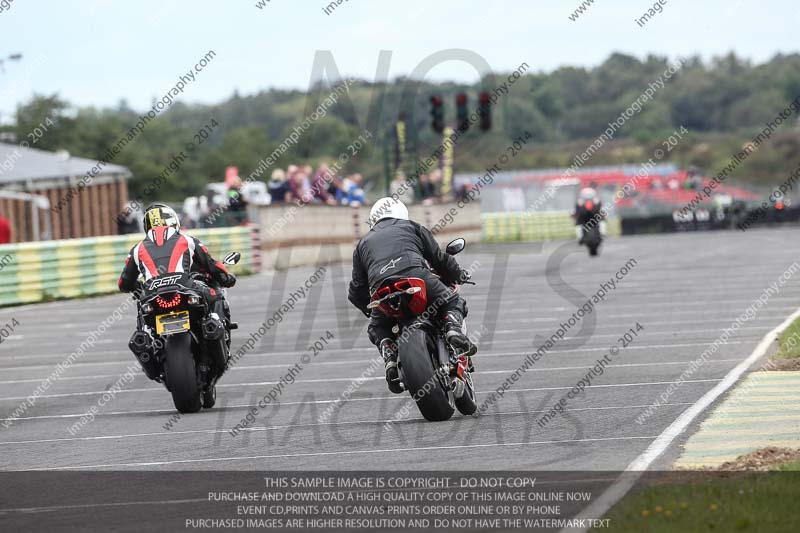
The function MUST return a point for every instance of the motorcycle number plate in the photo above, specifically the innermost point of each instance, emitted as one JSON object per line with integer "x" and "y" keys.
{"x": 172, "y": 323}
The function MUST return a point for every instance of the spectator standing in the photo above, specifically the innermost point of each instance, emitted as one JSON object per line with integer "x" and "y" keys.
{"x": 425, "y": 189}
{"x": 462, "y": 192}
{"x": 436, "y": 184}
{"x": 237, "y": 205}
{"x": 335, "y": 188}
{"x": 320, "y": 184}
{"x": 278, "y": 188}
{"x": 399, "y": 189}
{"x": 299, "y": 184}
{"x": 352, "y": 193}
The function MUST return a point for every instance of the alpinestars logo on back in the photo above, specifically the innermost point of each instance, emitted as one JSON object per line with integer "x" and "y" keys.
{"x": 390, "y": 264}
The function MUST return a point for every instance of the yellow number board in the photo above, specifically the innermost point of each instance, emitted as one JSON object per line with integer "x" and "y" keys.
{"x": 171, "y": 323}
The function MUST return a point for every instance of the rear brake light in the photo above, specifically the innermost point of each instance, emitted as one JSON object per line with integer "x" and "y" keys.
{"x": 168, "y": 304}
{"x": 588, "y": 206}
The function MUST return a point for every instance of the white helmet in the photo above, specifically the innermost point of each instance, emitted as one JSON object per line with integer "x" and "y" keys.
{"x": 387, "y": 207}
{"x": 587, "y": 193}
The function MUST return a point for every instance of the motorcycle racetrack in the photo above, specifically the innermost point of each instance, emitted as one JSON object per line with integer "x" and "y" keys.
{"x": 333, "y": 410}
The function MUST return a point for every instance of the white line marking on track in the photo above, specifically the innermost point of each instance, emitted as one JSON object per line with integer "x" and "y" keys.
{"x": 328, "y": 380}
{"x": 306, "y": 425}
{"x": 368, "y": 361}
{"x": 333, "y": 351}
{"x": 344, "y": 452}
{"x": 527, "y": 330}
{"x": 62, "y": 378}
{"x": 370, "y": 399}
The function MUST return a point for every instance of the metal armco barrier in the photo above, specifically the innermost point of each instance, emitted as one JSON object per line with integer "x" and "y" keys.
{"x": 38, "y": 271}
{"x": 545, "y": 226}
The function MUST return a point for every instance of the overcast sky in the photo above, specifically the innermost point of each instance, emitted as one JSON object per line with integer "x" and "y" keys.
{"x": 96, "y": 52}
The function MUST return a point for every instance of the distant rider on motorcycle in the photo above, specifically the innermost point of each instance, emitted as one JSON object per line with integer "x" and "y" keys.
{"x": 587, "y": 207}
{"x": 166, "y": 250}
{"x": 397, "y": 246}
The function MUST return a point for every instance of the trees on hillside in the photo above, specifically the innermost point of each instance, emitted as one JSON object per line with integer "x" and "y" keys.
{"x": 723, "y": 103}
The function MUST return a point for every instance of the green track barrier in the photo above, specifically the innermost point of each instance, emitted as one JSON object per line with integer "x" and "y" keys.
{"x": 39, "y": 271}
{"x": 546, "y": 226}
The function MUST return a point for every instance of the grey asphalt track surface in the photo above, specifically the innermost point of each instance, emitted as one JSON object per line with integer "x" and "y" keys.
{"x": 684, "y": 289}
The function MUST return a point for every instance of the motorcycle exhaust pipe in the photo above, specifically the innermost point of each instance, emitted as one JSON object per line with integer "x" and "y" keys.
{"x": 142, "y": 346}
{"x": 213, "y": 329}
{"x": 459, "y": 387}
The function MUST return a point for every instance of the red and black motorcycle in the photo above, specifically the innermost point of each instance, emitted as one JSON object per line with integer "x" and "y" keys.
{"x": 438, "y": 379}
{"x": 181, "y": 340}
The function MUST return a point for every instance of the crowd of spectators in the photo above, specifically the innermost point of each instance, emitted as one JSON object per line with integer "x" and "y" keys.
{"x": 301, "y": 184}
{"x": 297, "y": 184}
{"x": 427, "y": 190}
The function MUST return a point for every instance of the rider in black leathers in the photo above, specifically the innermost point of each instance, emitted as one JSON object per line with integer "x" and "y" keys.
{"x": 588, "y": 197}
{"x": 397, "y": 246}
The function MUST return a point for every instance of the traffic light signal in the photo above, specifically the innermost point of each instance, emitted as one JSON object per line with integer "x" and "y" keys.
{"x": 437, "y": 113}
{"x": 462, "y": 113}
{"x": 485, "y": 111}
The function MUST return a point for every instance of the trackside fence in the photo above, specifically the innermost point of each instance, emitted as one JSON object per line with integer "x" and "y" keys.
{"x": 40, "y": 271}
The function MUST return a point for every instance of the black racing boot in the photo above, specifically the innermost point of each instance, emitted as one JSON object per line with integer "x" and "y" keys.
{"x": 388, "y": 350}
{"x": 454, "y": 334}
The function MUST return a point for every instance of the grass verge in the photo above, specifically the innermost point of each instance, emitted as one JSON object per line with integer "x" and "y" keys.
{"x": 789, "y": 342}
{"x": 714, "y": 502}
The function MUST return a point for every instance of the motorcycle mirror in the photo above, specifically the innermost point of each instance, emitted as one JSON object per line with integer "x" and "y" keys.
{"x": 232, "y": 258}
{"x": 456, "y": 246}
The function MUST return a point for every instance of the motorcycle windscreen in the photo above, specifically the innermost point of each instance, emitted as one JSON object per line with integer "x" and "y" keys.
{"x": 172, "y": 323}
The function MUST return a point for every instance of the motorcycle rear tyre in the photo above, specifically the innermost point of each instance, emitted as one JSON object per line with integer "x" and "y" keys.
{"x": 181, "y": 373}
{"x": 432, "y": 400}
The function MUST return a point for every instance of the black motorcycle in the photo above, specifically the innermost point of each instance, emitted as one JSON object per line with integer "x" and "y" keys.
{"x": 438, "y": 379}
{"x": 588, "y": 217}
{"x": 182, "y": 339}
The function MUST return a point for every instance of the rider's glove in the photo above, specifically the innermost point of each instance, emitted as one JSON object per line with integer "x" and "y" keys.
{"x": 464, "y": 276}
{"x": 230, "y": 281}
